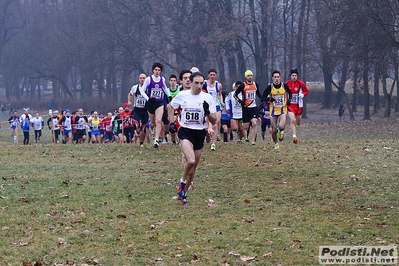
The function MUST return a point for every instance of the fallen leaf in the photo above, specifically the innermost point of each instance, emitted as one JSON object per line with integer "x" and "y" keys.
{"x": 248, "y": 220}
{"x": 121, "y": 216}
{"x": 20, "y": 244}
{"x": 233, "y": 253}
{"x": 268, "y": 255}
{"x": 246, "y": 258}
{"x": 195, "y": 259}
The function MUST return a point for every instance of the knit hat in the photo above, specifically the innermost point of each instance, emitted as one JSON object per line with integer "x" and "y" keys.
{"x": 248, "y": 73}
{"x": 294, "y": 71}
{"x": 194, "y": 70}
{"x": 125, "y": 105}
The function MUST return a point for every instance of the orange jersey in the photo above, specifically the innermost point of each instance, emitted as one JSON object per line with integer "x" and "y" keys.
{"x": 249, "y": 93}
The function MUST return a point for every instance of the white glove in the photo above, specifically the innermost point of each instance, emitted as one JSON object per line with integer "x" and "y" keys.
{"x": 301, "y": 95}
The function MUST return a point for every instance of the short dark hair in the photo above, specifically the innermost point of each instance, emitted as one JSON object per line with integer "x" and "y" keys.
{"x": 276, "y": 72}
{"x": 173, "y": 76}
{"x": 196, "y": 74}
{"x": 157, "y": 64}
{"x": 212, "y": 70}
{"x": 184, "y": 71}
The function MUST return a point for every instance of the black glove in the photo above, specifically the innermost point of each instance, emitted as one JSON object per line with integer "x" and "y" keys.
{"x": 205, "y": 105}
{"x": 172, "y": 128}
{"x": 169, "y": 99}
{"x": 270, "y": 99}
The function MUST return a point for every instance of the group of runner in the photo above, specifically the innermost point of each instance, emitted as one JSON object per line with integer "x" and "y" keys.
{"x": 192, "y": 112}
{"x": 146, "y": 111}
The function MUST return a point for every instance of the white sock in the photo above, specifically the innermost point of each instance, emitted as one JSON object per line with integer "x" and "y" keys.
{"x": 181, "y": 181}
{"x": 293, "y": 136}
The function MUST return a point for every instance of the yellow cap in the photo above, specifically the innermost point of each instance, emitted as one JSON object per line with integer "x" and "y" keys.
{"x": 248, "y": 73}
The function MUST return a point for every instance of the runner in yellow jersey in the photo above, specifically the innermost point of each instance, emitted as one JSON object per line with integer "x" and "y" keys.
{"x": 278, "y": 95}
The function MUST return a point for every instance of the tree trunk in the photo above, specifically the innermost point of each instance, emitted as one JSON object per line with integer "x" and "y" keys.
{"x": 125, "y": 85}
{"x": 303, "y": 64}
{"x": 397, "y": 83}
{"x": 327, "y": 75}
{"x": 342, "y": 82}
{"x": 255, "y": 34}
{"x": 355, "y": 89}
{"x": 39, "y": 91}
{"x": 377, "y": 76}
{"x": 366, "y": 91}
{"x": 241, "y": 60}
{"x": 263, "y": 72}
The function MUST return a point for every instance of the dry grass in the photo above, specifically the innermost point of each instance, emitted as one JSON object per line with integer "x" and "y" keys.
{"x": 112, "y": 204}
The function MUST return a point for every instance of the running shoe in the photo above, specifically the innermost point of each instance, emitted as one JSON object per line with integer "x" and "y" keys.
{"x": 246, "y": 140}
{"x": 239, "y": 141}
{"x": 295, "y": 140}
{"x": 191, "y": 187}
{"x": 156, "y": 144}
{"x": 213, "y": 147}
{"x": 183, "y": 201}
{"x": 281, "y": 136}
{"x": 219, "y": 138}
{"x": 181, "y": 194}
{"x": 180, "y": 190}
{"x": 276, "y": 146}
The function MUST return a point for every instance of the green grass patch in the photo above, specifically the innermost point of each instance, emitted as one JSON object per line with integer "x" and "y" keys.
{"x": 112, "y": 204}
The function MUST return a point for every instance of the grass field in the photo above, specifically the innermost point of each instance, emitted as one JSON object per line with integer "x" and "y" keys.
{"x": 112, "y": 204}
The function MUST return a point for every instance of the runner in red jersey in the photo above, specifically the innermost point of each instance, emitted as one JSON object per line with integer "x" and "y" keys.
{"x": 299, "y": 91}
{"x": 107, "y": 126}
{"x": 128, "y": 122}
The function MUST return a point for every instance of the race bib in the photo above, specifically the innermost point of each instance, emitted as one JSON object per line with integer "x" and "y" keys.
{"x": 192, "y": 116}
{"x": 156, "y": 93}
{"x": 237, "y": 105}
{"x": 278, "y": 101}
{"x": 294, "y": 98}
{"x": 108, "y": 128}
{"x": 250, "y": 95}
{"x": 140, "y": 103}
